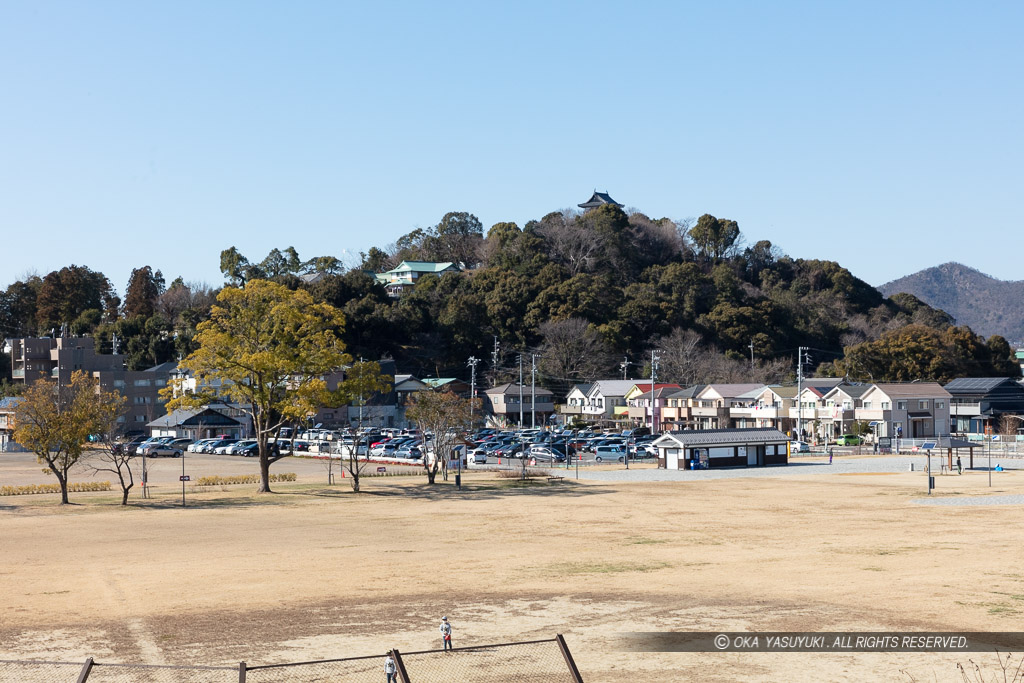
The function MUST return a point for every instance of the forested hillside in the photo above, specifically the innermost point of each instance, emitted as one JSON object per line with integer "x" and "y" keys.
{"x": 587, "y": 293}
{"x": 987, "y": 305}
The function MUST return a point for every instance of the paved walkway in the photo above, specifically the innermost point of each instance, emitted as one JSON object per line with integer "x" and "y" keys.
{"x": 968, "y": 501}
{"x": 797, "y": 467}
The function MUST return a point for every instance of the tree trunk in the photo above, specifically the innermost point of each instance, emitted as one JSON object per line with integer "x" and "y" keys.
{"x": 264, "y": 473}
{"x": 124, "y": 499}
{"x": 431, "y": 475}
{"x": 62, "y": 480}
{"x": 355, "y": 480}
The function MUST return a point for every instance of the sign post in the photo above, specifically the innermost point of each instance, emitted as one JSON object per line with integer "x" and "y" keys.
{"x": 184, "y": 478}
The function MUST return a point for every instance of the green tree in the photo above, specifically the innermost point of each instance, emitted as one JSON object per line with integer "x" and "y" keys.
{"x": 141, "y": 295}
{"x": 55, "y": 422}
{"x": 269, "y": 348}
{"x": 456, "y": 238}
{"x": 64, "y": 294}
{"x": 715, "y": 238}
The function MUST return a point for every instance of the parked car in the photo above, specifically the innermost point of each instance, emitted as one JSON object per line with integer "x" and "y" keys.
{"x": 479, "y": 457}
{"x": 237, "y": 447}
{"x": 197, "y": 446}
{"x": 609, "y": 452}
{"x": 219, "y": 443}
{"x": 128, "y": 446}
{"x": 146, "y": 447}
{"x": 799, "y": 447}
{"x": 250, "y": 451}
{"x": 384, "y": 449}
{"x": 409, "y": 453}
{"x": 547, "y": 454}
{"x": 849, "y": 440}
{"x": 173, "y": 448}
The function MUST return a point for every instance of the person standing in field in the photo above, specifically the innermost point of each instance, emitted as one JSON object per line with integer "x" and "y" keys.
{"x": 391, "y": 669}
{"x": 959, "y": 466}
{"x": 446, "y": 633}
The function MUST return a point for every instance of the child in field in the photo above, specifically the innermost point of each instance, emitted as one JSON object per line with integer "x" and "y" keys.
{"x": 446, "y": 633}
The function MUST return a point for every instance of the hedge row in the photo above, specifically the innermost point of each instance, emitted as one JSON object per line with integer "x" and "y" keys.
{"x": 243, "y": 479}
{"x": 54, "y": 488}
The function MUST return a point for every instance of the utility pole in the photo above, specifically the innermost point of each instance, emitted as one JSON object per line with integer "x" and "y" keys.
{"x": 799, "y": 391}
{"x": 655, "y": 358}
{"x": 495, "y": 354}
{"x": 751, "y": 355}
{"x": 625, "y": 366}
{"x": 533, "y": 391}
{"x": 520, "y": 391}
{"x": 472, "y": 386}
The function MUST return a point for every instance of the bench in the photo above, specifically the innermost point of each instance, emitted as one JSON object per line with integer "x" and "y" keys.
{"x": 555, "y": 479}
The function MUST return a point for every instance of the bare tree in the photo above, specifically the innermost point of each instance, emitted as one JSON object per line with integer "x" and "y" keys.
{"x": 362, "y": 380}
{"x": 115, "y": 458}
{"x": 572, "y": 350}
{"x": 570, "y": 242}
{"x": 445, "y": 415}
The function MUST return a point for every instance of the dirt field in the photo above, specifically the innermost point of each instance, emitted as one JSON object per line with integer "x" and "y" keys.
{"x": 316, "y": 571}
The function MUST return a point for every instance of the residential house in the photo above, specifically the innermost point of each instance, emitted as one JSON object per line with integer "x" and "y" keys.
{"x": 911, "y": 410}
{"x": 513, "y": 402}
{"x": 572, "y": 409}
{"x": 7, "y": 405}
{"x": 606, "y": 401}
{"x": 639, "y": 404}
{"x": 404, "y": 276}
{"x": 978, "y": 404}
{"x": 838, "y": 412}
{"x": 764, "y": 407}
{"x": 711, "y": 406}
{"x": 676, "y": 411}
{"x": 456, "y": 386}
{"x": 714, "y": 448}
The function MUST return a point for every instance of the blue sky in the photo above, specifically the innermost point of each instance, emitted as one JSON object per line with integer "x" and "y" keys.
{"x": 886, "y": 136}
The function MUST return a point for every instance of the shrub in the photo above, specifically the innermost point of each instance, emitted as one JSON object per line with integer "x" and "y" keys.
{"x": 242, "y": 479}
{"x": 30, "y": 489}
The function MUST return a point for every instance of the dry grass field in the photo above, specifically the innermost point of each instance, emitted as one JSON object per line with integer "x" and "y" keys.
{"x": 315, "y": 571}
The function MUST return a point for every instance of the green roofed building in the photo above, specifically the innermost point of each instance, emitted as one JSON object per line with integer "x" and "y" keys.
{"x": 406, "y": 273}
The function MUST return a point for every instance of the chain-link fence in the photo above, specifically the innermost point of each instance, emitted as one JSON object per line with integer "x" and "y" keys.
{"x": 543, "y": 661}
{"x": 352, "y": 670}
{"x": 539, "y": 661}
{"x": 39, "y": 672}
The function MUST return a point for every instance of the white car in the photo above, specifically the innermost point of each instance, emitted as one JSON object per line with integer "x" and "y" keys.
{"x": 799, "y": 447}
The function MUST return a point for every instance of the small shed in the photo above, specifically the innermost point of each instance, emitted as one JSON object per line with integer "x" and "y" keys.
{"x": 714, "y": 448}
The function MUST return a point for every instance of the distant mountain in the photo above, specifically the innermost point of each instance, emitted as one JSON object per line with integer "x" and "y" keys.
{"x": 989, "y": 306}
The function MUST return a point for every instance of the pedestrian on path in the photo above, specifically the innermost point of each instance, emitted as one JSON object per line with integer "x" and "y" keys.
{"x": 391, "y": 669}
{"x": 446, "y": 633}
{"x": 829, "y": 455}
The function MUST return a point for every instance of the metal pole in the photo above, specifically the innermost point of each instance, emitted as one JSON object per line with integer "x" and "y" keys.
{"x": 400, "y": 665}
{"x": 83, "y": 676}
{"x": 573, "y": 671}
{"x": 799, "y": 392}
{"x": 520, "y": 391}
{"x": 183, "y": 479}
{"x": 533, "y": 391}
{"x": 472, "y": 388}
{"x": 241, "y": 672}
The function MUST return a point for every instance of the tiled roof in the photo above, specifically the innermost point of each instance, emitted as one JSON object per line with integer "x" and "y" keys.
{"x": 722, "y": 437}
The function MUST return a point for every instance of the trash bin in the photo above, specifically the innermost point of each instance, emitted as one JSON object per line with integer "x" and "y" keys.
{"x": 911, "y": 467}
{"x": 458, "y": 481}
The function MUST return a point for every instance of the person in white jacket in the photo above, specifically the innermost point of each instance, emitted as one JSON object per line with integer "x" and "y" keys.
{"x": 391, "y": 669}
{"x": 446, "y": 633}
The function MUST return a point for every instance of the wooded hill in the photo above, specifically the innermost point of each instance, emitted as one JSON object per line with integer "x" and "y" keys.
{"x": 985, "y": 304}
{"x": 586, "y": 292}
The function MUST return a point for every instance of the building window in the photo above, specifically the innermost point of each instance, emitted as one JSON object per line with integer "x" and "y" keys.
{"x": 867, "y": 405}
{"x": 922, "y": 405}
{"x": 119, "y": 383}
{"x": 901, "y": 405}
{"x": 885, "y": 405}
{"x": 140, "y": 418}
{"x": 141, "y": 383}
{"x": 939, "y": 405}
